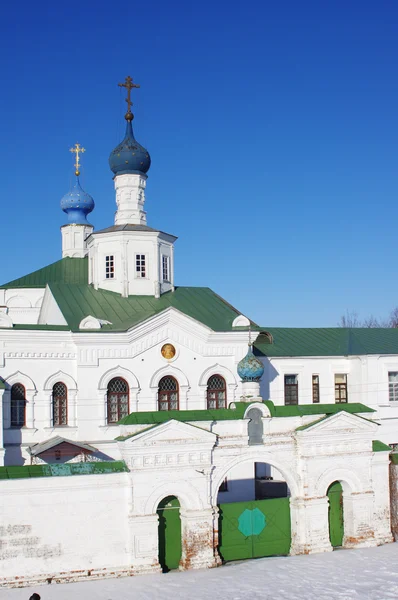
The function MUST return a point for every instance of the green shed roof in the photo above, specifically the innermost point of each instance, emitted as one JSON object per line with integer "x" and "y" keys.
{"x": 335, "y": 341}
{"x": 66, "y": 270}
{"x": 378, "y": 446}
{"x": 236, "y": 413}
{"x": 63, "y": 470}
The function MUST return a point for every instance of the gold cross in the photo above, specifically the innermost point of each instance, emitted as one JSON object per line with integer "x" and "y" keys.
{"x": 77, "y": 149}
{"x": 129, "y": 85}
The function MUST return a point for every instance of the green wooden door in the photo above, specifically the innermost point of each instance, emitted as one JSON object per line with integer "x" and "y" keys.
{"x": 254, "y": 529}
{"x": 169, "y": 533}
{"x": 336, "y": 516}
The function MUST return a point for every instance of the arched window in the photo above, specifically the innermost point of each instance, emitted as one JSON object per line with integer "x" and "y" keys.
{"x": 168, "y": 393}
{"x": 117, "y": 399}
{"x": 18, "y": 405}
{"x": 216, "y": 392}
{"x": 60, "y": 404}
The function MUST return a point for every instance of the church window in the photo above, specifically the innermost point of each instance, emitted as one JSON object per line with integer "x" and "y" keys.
{"x": 140, "y": 267}
{"x": 168, "y": 394}
{"x": 216, "y": 392}
{"x": 340, "y": 388}
{"x": 291, "y": 389}
{"x": 315, "y": 388}
{"x": 109, "y": 267}
{"x": 18, "y": 405}
{"x": 60, "y": 404}
{"x": 165, "y": 268}
{"x": 393, "y": 386}
{"x": 117, "y": 399}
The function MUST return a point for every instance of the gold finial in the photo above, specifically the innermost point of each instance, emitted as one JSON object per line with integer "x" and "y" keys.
{"x": 129, "y": 85}
{"x": 77, "y": 149}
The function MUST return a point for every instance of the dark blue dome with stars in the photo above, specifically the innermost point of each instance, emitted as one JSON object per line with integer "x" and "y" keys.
{"x": 129, "y": 156}
{"x": 77, "y": 204}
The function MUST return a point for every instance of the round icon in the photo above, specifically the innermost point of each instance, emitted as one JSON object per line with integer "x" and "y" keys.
{"x": 168, "y": 351}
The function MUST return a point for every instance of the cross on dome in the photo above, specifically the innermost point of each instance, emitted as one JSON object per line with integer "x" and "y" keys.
{"x": 129, "y": 85}
{"x": 77, "y": 149}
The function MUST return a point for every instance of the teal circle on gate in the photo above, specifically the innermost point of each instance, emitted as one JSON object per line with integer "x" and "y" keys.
{"x": 251, "y": 522}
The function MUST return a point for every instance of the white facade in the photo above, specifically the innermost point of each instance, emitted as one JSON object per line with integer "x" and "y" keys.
{"x": 107, "y": 525}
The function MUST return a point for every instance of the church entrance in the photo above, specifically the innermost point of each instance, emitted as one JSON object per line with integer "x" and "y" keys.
{"x": 336, "y": 514}
{"x": 254, "y": 513}
{"x": 169, "y": 533}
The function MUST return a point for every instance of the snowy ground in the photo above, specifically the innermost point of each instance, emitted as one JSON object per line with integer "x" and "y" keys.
{"x": 341, "y": 575}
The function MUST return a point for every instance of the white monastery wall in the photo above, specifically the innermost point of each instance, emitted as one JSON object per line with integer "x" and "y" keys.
{"x": 64, "y": 524}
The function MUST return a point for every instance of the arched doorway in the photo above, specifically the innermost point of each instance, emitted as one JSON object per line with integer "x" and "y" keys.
{"x": 336, "y": 514}
{"x": 169, "y": 533}
{"x": 254, "y": 512}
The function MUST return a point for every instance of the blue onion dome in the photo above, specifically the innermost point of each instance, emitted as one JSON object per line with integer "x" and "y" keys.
{"x": 129, "y": 156}
{"x": 250, "y": 368}
{"x": 77, "y": 204}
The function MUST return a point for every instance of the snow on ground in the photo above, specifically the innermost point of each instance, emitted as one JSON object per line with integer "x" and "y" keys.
{"x": 368, "y": 574}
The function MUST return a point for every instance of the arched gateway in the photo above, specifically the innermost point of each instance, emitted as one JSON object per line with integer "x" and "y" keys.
{"x": 254, "y": 512}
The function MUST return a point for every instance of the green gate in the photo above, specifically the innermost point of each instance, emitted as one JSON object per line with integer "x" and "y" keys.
{"x": 254, "y": 529}
{"x": 336, "y": 516}
{"x": 169, "y": 533}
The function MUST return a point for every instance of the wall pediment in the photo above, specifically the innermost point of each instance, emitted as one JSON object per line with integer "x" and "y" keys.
{"x": 172, "y": 432}
{"x": 339, "y": 423}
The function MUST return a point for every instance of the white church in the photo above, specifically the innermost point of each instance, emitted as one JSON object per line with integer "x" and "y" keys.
{"x": 147, "y": 427}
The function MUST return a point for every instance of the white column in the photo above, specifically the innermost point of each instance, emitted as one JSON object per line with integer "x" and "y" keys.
{"x": 199, "y": 532}
{"x": 143, "y": 543}
{"x": 30, "y": 409}
{"x": 2, "y": 451}
{"x": 6, "y": 409}
{"x": 130, "y": 199}
{"x": 310, "y": 525}
{"x": 382, "y": 515}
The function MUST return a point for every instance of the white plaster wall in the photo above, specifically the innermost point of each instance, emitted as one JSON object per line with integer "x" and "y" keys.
{"x": 53, "y": 525}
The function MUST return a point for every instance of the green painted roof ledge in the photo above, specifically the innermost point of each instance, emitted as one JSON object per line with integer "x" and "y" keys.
{"x": 233, "y": 414}
{"x": 378, "y": 446}
{"x": 63, "y": 470}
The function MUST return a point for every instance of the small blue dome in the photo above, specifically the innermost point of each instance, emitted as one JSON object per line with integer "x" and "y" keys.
{"x": 77, "y": 204}
{"x": 129, "y": 156}
{"x": 250, "y": 368}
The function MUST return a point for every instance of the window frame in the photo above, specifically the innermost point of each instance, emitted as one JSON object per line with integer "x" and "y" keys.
{"x": 138, "y": 271}
{"x": 165, "y": 268}
{"x": 315, "y": 389}
{"x": 289, "y": 387}
{"x": 17, "y": 407}
{"x": 340, "y": 387}
{"x": 168, "y": 393}
{"x": 59, "y": 408}
{"x": 210, "y": 390}
{"x": 119, "y": 401}
{"x": 109, "y": 266}
{"x": 392, "y": 387}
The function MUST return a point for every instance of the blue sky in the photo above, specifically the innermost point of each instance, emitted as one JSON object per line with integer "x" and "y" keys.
{"x": 272, "y": 128}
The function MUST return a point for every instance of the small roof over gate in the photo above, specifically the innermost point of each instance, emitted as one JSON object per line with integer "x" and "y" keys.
{"x": 37, "y": 449}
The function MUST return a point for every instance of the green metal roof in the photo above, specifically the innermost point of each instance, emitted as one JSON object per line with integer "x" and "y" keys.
{"x": 378, "y": 446}
{"x": 63, "y": 470}
{"x": 202, "y": 304}
{"x": 68, "y": 282}
{"x": 66, "y": 270}
{"x": 233, "y": 414}
{"x": 336, "y": 341}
